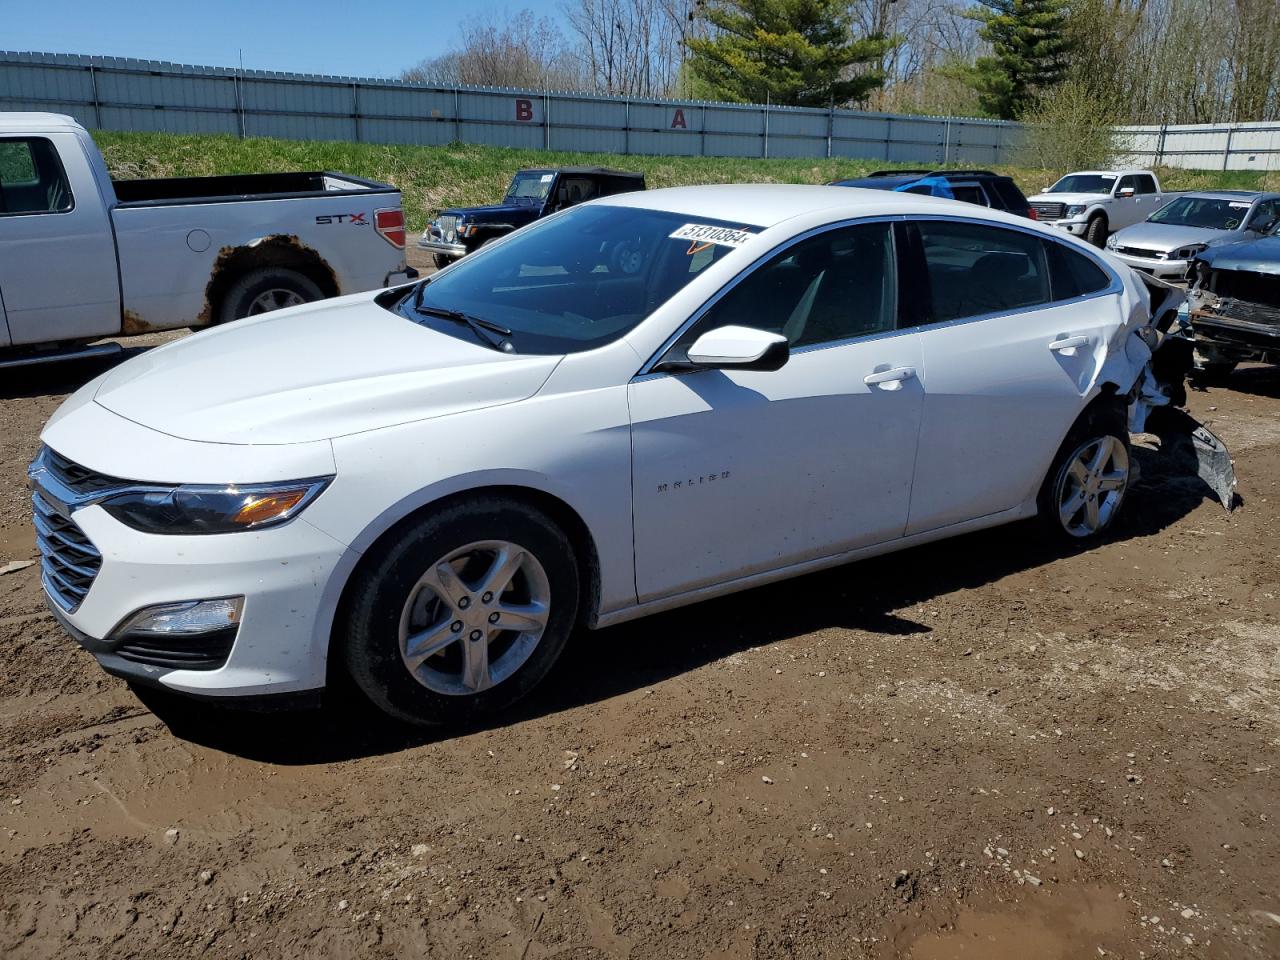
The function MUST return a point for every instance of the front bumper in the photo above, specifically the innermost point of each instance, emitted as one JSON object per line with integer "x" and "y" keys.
{"x": 280, "y": 647}
{"x": 1074, "y": 227}
{"x": 441, "y": 247}
{"x": 1164, "y": 269}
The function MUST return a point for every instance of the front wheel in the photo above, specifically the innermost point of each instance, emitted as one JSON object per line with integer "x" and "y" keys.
{"x": 463, "y": 613}
{"x": 1082, "y": 494}
{"x": 1096, "y": 231}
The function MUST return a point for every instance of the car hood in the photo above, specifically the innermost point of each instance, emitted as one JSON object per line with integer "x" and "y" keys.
{"x": 1255, "y": 256}
{"x": 494, "y": 212}
{"x": 1166, "y": 236}
{"x": 312, "y": 373}
{"x": 1068, "y": 198}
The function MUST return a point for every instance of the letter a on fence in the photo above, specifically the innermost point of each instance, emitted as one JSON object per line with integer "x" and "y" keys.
{"x": 677, "y": 121}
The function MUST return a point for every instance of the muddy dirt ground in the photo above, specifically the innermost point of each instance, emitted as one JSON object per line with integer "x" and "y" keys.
{"x": 977, "y": 749}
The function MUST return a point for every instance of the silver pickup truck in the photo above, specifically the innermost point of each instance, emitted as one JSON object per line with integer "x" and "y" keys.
{"x": 83, "y": 258}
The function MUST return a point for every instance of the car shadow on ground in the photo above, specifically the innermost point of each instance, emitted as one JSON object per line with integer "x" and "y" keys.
{"x": 1258, "y": 380}
{"x": 872, "y": 595}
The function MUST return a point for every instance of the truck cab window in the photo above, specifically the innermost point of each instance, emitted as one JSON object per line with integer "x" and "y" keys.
{"x": 31, "y": 178}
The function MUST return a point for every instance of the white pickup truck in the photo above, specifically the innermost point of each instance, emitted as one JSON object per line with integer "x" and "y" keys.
{"x": 83, "y": 258}
{"x": 1095, "y": 203}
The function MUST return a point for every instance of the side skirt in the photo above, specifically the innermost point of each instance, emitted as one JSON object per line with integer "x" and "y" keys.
{"x": 810, "y": 566}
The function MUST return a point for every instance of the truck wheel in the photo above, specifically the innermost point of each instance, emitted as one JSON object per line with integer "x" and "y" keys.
{"x": 440, "y": 260}
{"x": 271, "y": 288}
{"x": 1096, "y": 231}
{"x": 462, "y": 613}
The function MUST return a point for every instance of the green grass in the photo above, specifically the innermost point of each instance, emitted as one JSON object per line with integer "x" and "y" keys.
{"x": 432, "y": 178}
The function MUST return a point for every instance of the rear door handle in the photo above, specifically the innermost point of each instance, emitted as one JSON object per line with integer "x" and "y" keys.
{"x": 1068, "y": 343}
{"x": 893, "y": 376}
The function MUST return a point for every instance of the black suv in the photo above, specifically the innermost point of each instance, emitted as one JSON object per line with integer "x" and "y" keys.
{"x": 533, "y": 194}
{"x": 982, "y": 187}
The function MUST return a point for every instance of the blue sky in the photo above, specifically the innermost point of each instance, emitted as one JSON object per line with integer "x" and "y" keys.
{"x": 368, "y": 38}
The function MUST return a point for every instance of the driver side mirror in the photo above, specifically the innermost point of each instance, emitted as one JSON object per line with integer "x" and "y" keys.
{"x": 739, "y": 348}
{"x": 1125, "y": 192}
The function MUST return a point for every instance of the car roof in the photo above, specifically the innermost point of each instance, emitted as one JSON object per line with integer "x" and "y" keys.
{"x": 583, "y": 171}
{"x": 1228, "y": 194}
{"x": 766, "y": 205}
{"x": 911, "y": 176}
{"x": 15, "y": 121}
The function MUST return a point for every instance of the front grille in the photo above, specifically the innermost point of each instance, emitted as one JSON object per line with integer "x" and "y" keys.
{"x": 1142, "y": 252}
{"x": 207, "y": 651}
{"x": 69, "y": 562}
{"x": 1048, "y": 211}
{"x": 448, "y": 226}
{"x": 79, "y": 479}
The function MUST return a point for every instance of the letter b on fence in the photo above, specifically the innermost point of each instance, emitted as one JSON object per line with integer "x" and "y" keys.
{"x": 524, "y": 110}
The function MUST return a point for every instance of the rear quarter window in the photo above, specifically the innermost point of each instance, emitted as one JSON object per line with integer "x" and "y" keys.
{"x": 1072, "y": 274}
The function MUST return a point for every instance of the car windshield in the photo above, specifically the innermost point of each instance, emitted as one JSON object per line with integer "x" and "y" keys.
{"x": 1206, "y": 212}
{"x": 577, "y": 280}
{"x": 1084, "y": 183}
{"x": 530, "y": 186}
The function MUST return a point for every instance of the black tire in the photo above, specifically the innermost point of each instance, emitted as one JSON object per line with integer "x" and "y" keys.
{"x": 1096, "y": 231}
{"x": 1214, "y": 371}
{"x": 243, "y": 298}
{"x": 370, "y": 632}
{"x": 441, "y": 260}
{"x": 1096, "y": 424}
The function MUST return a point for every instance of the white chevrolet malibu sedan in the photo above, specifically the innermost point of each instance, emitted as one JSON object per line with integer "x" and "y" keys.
{"x": 630, "y": 406}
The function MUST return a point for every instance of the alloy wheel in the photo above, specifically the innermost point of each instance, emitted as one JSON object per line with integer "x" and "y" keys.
{"x": 474, "y": 617}
{"x": 1091, "y": 486}
{"x": 274, "y": 299}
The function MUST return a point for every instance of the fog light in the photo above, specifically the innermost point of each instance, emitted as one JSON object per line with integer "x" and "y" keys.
{"x": 189, "y": 619}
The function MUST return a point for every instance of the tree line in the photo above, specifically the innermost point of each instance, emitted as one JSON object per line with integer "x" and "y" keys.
{"x": 1082, "y": 62}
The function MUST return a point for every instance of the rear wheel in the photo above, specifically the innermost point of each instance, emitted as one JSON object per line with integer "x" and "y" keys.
{"x": 463, "y": 613}
{"x": 441, "y": 261}
{"x": 1082, "y": 494}
{"x": 271, "y": 288}
{"x": 1096, "y": 231}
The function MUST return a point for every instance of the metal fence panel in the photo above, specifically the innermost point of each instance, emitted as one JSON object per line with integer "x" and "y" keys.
{"x": 126, "y": 94}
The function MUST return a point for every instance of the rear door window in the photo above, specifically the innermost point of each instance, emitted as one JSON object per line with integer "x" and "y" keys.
{"x": 31, "y": 178}
{"x": 978, "y": 269}
{"x": 1146, "y": 183}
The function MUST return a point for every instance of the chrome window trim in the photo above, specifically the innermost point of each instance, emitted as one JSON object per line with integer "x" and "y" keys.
{"x": 1115, "y": 287}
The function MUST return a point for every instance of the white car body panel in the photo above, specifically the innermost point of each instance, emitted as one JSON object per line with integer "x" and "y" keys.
{"x": 821, "y": 466}
{"x": 833, "y": 475}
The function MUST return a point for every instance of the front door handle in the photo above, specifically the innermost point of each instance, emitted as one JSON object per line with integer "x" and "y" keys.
{"x": 1068, "y": 343}
{"x": 892, "y": 378}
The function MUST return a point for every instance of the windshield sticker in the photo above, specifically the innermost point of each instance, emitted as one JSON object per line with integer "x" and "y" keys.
{"x": 548, "y": 177}
{"x": 1238, "y": 206}
{"x": 703, "y": 234}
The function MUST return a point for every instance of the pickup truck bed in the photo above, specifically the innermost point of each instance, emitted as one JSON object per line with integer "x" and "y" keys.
{"x": 245, "y": 186}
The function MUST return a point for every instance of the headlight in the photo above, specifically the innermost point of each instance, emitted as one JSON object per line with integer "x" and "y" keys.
{"x": 198, "y": 509}
{"x": 1112, "y": 242}
{"x": 1187, "y": 252}
{"x": 1075, "y": 209}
